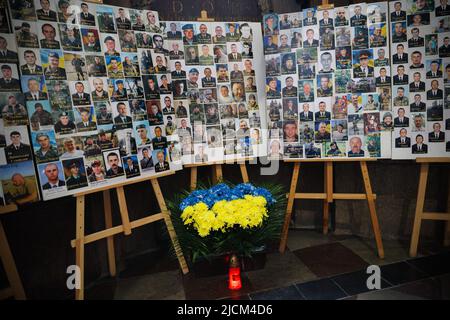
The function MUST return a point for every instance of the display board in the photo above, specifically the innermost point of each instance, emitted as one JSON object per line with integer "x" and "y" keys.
{"x": 17, "y": 173}
{"x": 86, "y": 71}
{"x": 217, "y": 72}
{"x": 328, "y": 82}
{"x": 420, "y": 45}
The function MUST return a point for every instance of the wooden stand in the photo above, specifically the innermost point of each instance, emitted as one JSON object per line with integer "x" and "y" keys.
{"x": 126, "y": 226}
{"x": 16, "y": 289}
{"x": 420, "y": 214}
{"x": 329, "y": 196}
{"x": 217, "y": 174}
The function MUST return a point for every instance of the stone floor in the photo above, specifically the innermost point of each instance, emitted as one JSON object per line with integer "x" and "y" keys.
{"x": 314, "y": 266}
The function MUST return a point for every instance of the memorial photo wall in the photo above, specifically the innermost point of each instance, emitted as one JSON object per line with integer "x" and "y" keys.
{"x": 328, "y": 82}
{"x": 218, "y": 82}
{"x": 18, "y": 184}
{"x": 90, "y": 74}
{"x": 420, "y": 45}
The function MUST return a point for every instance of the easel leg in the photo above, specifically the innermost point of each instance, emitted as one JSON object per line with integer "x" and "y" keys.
{"x": 193, "y": 178}
{"x": 290, "y": 204}
{"x": 219, "y": 174}
{"x": 447, "y": 223}
{"x": 419, "y": 209}
{"x": 328, "y": 186}
{"x": 109, "y": 240}
{"x": 123, "y": 211}
{"x": 244, "y": 172}
{"x": 372, "y": 209}
{"x": 79, "y": 245}
{"x": 10, "y": 266}
{"x": 173, "y": 236}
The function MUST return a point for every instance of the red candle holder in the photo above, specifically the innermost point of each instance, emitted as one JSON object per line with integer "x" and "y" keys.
{"x": 234, "y": 274}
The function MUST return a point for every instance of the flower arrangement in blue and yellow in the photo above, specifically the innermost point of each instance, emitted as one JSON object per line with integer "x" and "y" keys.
{"x": 226, "y": 218}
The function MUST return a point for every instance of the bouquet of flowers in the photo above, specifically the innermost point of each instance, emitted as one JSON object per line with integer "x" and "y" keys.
{"x": 228, "y": 219}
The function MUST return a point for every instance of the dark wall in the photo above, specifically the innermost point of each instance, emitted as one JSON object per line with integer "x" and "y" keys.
{"x": 40, "y": 235}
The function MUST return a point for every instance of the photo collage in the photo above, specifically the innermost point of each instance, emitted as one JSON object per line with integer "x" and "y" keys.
{"x": 214, "y": 74}
{"x": 91, "y": 78}
{"x": 328, "y": 82}
{"x": 18, "y": 184}
{"x": 420, "y": 45}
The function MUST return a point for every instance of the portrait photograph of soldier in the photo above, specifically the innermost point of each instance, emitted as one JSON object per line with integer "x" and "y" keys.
{"x": 79, "y": 92}
{"x": 40, "y": 114}
{"x": 64, "y": 122}
{"x": 85, "y": 119}
{"x": 134, "y": 88}
{"x": 90, "y": 39}
{"x": 96, "y": 66}
{"x": 53, "y": 64}
{"x": 75, "y": 173}
{"x": 86, "y": 16}
{"x": 12, "y": 109}
{"x": 9, "y": 80}
{"x": 52, "y": 177}
{"x": 34, "y": 87}
{"x": 8, "y": 50}
{"x": 70, "y": 37}
{"x": 121, "y": 114}
{"x": 360, "y": 37}
{"x": 30, "y": 63}
{"x": 114, "y": 66}
{"x": 59, "y": 95}
{"x": 105, "y": 18}
{"x": 122, "y": 17}
{"x": 75, "y": 66}
{"x": 127, "y": 41}
{"x": 19, "y": 183}
{"x": 17, "y": 144}
{"x": 25, "y": 34}
{"x": 44, "y": 146}
{"x": 22, "y": 10}
{"x": 103, "y": 112}
{"x": 117, "y": 89}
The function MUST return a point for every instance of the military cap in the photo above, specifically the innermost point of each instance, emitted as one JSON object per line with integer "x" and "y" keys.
{"x": 188, "y": 26}
{"x": 53, "y": 55}
{"x": 63, "y": 114}
{"x": 363, "y": 55}
{"x": 141, "y": 126}
{"x": 96, "y": 163}
{"x": 193, "y": 70}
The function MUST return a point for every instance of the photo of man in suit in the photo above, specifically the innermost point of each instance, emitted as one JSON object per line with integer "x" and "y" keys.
{"x": 162, "y": 164}
{"x": 434, "y": 93}
{"x": 234, "y": 55}
{"x": 86, "y": 124}
{"x": 7, "y": 82}
{"x": 17, "y": 150}
{"x": 415, "y": 40}
{"x": 436, "y": 135}
{"x": 176, "y": 53}
{"x": 401, "y": 56}
{"x": 307, "y": 95}
{"x": 45, "y": 12}
{"x": 417, "y": 105}
{"x": 234, "y": 35}
{"x": 401, "y": 78}
{"x": 208, "y": 80}
{"x": 398, "y": 14}
{"x": 322, "y": 114}
{"x": 403, "y": 141}
{"x": 310, "y": 41}
{"x": 310, "y": 19}
{"x": 122, "y": 118}
{"x": 33, "y": 92}
{"x": 178, "y": 72}
{"x": 173, "y": 33}
{"x": 122, "y": 21}
{"x": 419, "y": 147}
{"x": 417, "y": 85}
{"x": 80, "y": 98}
{"x": 6, "y": 55}
{"x": 30, "y": 67}
{"x": 401, "y": 120}
{"x": 358, "y": 19}
{"x": 159, "y": 141}
{"x": 306, "y": 115}
{"x": 434, "y": 70}
{"x": 51, "y": 171}
{"x": 383, "y": 79}
{"x": 86, "y": 18}
{"x": 131, "y": 168}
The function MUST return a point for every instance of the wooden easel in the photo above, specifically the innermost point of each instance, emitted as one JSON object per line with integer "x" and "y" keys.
{"x": 16, "y": 289}
{"x": 328, "y": 196}
{"x": 422, "y": 215}
{"x": 217, "y": 174}
{"x": 125, "y": 227}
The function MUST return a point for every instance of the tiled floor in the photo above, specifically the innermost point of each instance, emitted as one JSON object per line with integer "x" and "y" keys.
{"x": 314, "y": 266}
